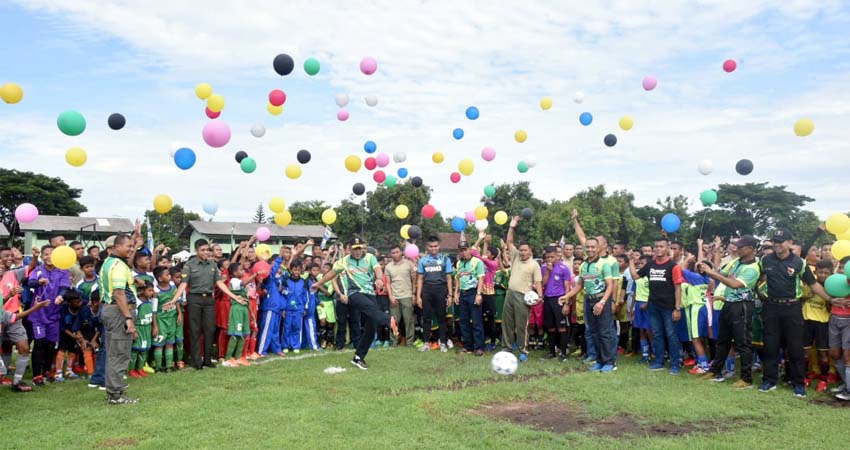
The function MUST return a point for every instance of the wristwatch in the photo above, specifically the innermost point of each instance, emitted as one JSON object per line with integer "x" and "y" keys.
{"x": 128, "y": 318}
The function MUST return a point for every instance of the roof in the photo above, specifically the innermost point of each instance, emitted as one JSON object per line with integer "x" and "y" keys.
{"x": 111, "y": 225}
{"x": 449, "y": 241}
{"x": 248, "y": 229}
{"x": 3, "y": 231}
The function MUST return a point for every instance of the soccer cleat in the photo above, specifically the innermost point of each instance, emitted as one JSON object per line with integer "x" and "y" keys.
{"x": 717, "y": 378}
{"x": 69, "y": 374}
{"x": 675, "y": 370}
{"x": 479, "y": 352}
{"x": 243, "y": 362}
{"x": 523, "y": 357}
{"x": 286, "y": 350}
{"x": 767, "y": 387}
{"x": 741, "y": 384}
{"x": 644, "y": 359}
{"x": 821, "y": 386}
{"x": 577, "y": 352}
{"x": 5, "y": 381}
{"x": 296, "y": 351}
{"x": 595, "y": 368}
{"x": 142, "y": 373}
{"x": 425, "y": 348}
{"x": 450, "y": 344}
{"x": 359, "y": 363}
{"x": 837, "y": 390}
{"x": 845, "y": 395}
{"x": 728, "y": 374}
{"x": 690, "y": 362}
{"x": 655, "y": 367}
{"x": 134, "y": 374}
{"x": 254, "y": 356}
{"x": 434, "y": 346}
{"x": 21, "y": 386}
{"x": 148, "y": 369}
{"x": 122, "y": 400}
{"x": 800, "y": 391}
{"x": 386, "y": 344}
{"x": 589, "y": 360}
{"x": 696, "y": 370}
{"x": 94, "y": 385}
{"x": 608, "y": 368}
{"x": 38, "y": 380}
{"x": 443, "y": 348}
{"x": 59, "y": 378}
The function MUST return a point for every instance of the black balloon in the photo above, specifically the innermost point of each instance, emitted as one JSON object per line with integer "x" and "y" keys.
{"x": 416, "y": 181}
{"x": 744, "y": 167}
{"x": 116, "y": 121}
{"x": 610, "y": 140}
{"x": 414, "y": 232}
{"x": 283, "y": 64}
{"x": 358, "y": 189}
{"x": 526, "y": 213}
{"x": 303, "y": 156}
{"x": 240, "y": 155}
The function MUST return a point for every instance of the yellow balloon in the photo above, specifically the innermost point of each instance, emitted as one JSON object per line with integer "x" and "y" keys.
{"x": 215, "y": 103}
{"x": 263, "y": 251}
{"x": 841, "y": 249}
{"x": 274, "y": 110}
{"x": 804, "y": 127}
{"x": 405, "y": 231}
{"x": 401, "y": 211}
{"x": 466, "y": 166}
{"x": 545, "y": 103}
{"x": 520, "y": 136}
{"x": 500, "y": 217}
{"x": 838, "y": 223}
{"x": 438, "y": 157}
{"x": 283, "y": 218}
{"x": 64, "y": 257}
{"x": 76, "y": 156}
{"x": 328, "y": 216}
{"x": 845, "y": 236}
{"x": 277, "y": 205}
{"x": 203, "y": 91}
{"x": 293, "y": 171}
{"x": 162, "y": 203}
{"x": 11, "y": 93}
{"x": 481, "y": 212}
{"x": 626, "y": 123}
{"x": 353, "y": 163}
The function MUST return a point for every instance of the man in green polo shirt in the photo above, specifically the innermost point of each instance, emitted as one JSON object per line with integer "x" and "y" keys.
{"x": 467, "y": 295}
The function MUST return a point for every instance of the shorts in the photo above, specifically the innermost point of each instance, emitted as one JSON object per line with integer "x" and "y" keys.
{"x": 167, "y": 324}
{"x": 14, "y": 332}
{"x": 816, "y": 334}
{"x": 326, "y": 311}
{"x": 682, "y": 328}
{"x": 535, "y": 315}
{"x": 839, "y": 332}
{"x": 641, "y": 321}
{"x": 67, "y": 343}
{"x": 237, "y": 324}
{"x": 697, "y": 317}
{"x": 553, "y": 314}
{"x": 500, "y": 304}
{"x": 758, "y": 326}
{"x": 143, "y": 342}
{"x": 48, "y": 331}
{"x": 252, "y": 314}
{"x": 622, "y": 315}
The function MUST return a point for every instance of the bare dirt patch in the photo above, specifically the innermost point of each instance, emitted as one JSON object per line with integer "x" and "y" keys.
{"x": 117, "y": 443}
{"x": 831, "y": 402}
{"x": 464, "y": 384}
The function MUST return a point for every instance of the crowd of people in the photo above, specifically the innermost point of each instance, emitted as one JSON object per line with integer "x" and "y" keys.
{"x": 125, "y": 312}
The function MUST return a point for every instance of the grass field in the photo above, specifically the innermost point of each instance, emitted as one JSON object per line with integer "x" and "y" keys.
{"x": 430, "y": 401}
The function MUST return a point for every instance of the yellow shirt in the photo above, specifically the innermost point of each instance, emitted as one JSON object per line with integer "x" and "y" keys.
{"x": 815, "y": 308}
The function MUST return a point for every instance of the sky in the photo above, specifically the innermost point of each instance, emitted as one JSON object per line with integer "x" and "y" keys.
{"x": 435, "y": 59}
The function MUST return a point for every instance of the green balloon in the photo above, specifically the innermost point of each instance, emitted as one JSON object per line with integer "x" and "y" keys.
{"x": 71, "y": 123}
{"x": 311, "y": 66}
{"x": 708, "y": 197}
{"x": 837, "y": 286}
{"x": 390, "y": 181}
{"x": 490, "y": 190}
{"x": 522, "y": 167}
{"x": 248, "y": 165}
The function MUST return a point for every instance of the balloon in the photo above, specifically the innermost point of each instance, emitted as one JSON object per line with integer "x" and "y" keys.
{"x": 370, "y": 147}
{"x": 240, "y": 155}
{"x": 458, "y": 224}
{"x": 481, "y": 224}
{"x": 379, "y": 176}
{"x": 545, "y": 103}
{"x": 428, "y": 211}
{"x": 522, "y": 167}
{"x": 705, "y": 167}
{"x": 371, "y": 100}
{"x": 481, "y": 212}
{"x": 578, "y": 97}
{"x": 836, "y": 285}
{"x": 26, "y": 213}
{"x": 847, "y": 270}
{"x": 437, "y": 157}
{"x": 258, "y": 131}
{"x": 370, "y": 163}
{"x": 415, "y": 232}
{"x": 626, "y": 123}
{"x": 520, "y": 136}
{"x": 488, "y": 153}
{"x": 489, "y": 190}
{"x": 610, "y": 140}
{"x": 531, "y": 160}
{"x": 670, "y": 222}
{"x": 358, "y": 189}
{"x": 401, "y": 211}
{"x": 76, "y": 156}
{"x": 64, "y": 257}
{"x": 840, "y": 249}
{"x": 162, "y": 203}
{"x": 216, "y": 133}
{"x": 466, "y": 166}
{"x": 404, "y": 231}
{"x": 311, "y": 66}
{"x": 526, "y": 213}
{"x": 248, "y": 165}
{"x": 399, "y": 157}
{"x": 585, "y": 118}
{"x": 470, "y": 217}
{"x": 303, "y": 156}
{"x": 744, "y": 167}
{"x": 263, "y": 234}
{"x": 845, "y": 236}
{"x": 454, "y": 177}
{"x": 837, "y": 223}
{"x": 402, "y": 172}
{"x": 342, "y": 115}
{"x": 263, "y": 251}
{"x": 416, "y": 181}
{"x": 328, "y": 216}
{"x": 390, "y": 181}
{"x": 116, "y": 121}
{"x": 382, "y": 159}
{"x": 277, "y": 97}
{"x": 458, "y": 133}
{"x": 210, "y": 207}
{"x": 500, "y": 218}
{"x": 283, "y": 64}
{"x": 649, "y": 82}
{"x": 203, "y": 91}
{"x": 184, "y": 158}
{"x": 729, "y": 65}
{"x": 215, "y": 103}
{"x": 274, "y": 110}
{"x": 293, "y": 171}
{"x": 71, "y": 123}
{"x": 472, "y": 113}
{"x": 11, "y": 93}
{"x": 368, "y": 65}
{"x": 212, "y": 114}
{"x": 341, "y": 99}
{"x": 411, "y": 251}
{"x": 708, "y": 197}
{"x": 804, "y": 127}
{"x": 352, "y": 163}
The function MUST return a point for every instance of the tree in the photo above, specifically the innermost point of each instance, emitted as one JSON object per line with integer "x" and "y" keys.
{"x": 612, "y": 216}
{"x": 308, "y": 212}
{"x": 167, "y": 227}
{"x": 260, "y": 215}
{"x": 52, "y": 196}
{"x": 513, "y": 198}
{"x": 384, "y": 226}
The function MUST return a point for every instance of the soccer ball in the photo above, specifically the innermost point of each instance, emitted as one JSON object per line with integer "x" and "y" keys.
{"x": 504, "y": 363}
{"x": 531, "y": 298}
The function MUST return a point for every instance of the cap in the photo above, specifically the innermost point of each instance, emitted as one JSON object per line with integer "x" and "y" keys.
{"x": 747, "y": 240}
{"x": 782, "y": 235}
{"x": 110, "y": 241}
{"x": 357, "y": 243}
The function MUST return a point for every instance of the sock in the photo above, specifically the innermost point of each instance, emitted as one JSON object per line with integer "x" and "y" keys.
{"x": 565, "y": 342}
{"x": 552, "y": 342}
{"x": 240, "y": 345}
{"x": 839, "y": 369}
{"x": 231, "y": 347}
{"x": 60, "y": 361}
{"x": 21, "y": 367}
{"x": 157, "y": 357}
{"x": 134, "y": 355}
{"x": 644, "y": 347}
{"x": 7, "y": 361}
{"x": 179, "y": 351}
{"x": 72, "y": 359}
{"x": 702, "y": 361}
{"x": 730, "y": 364}
{"x": 140, "y": 360}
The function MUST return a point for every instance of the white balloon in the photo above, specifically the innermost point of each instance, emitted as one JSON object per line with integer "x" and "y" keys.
{"x": 705, "y": 167}
{"x": 210, "y": 207}
{"x": 258, "y": 130}
{"x": 371, "y": 100}
{"x": 531, "y": 160}
{"x": 481, "y": 224}
{"x": 399, "y": 157}
{"x": 579, "y": 97}
{"x": 341, "y": 99}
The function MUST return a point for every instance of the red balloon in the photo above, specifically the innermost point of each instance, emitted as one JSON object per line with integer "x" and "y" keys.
{"x": 212, "y": 114}
{"x": 428, "y": 211}
{"x": 277, "y": 97}
{"x": 379, "y": 176}
{"x": 455, "y": 177}
{"x": 729, "y": 65}
{"x": 370, "y": 163}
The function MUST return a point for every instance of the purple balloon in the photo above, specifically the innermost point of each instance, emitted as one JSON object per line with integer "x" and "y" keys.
{"x": 649, "y": 82}
{"x": 488, "y": 154}
{"x": 470, "y": 216}
{"x": 411, "y": 251}
{"x": 382, "y": 159}
{"x": 216, "y": 133}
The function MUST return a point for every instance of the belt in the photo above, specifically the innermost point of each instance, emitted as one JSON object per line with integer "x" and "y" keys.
{"x": 198, "y": 294}
{"x": 596, "y": 297}
{"x": 783, "y": 301}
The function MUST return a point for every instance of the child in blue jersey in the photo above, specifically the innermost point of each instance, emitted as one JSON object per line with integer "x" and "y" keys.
{"x": 271, "y": 309}
{"x": 310, "y": 332}
{"x": 296, "y": 297}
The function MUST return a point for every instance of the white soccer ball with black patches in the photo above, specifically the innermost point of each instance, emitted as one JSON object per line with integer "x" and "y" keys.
{"x": 504, "y": 363}
{"x": 531, "y": 298}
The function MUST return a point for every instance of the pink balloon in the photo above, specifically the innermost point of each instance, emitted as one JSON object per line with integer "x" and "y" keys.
{"x": 470, "y": 216}
{"x": 383, "y": 159}
{"x": 368, "y": 65}
{"x": 379, "y": 176}
{"x": 212, "y": 114}
{"x": 216, "y": 133}
{"x": 488, "y": 154}
{"x": 26, "y": 213}
{"x": 263, "y": 234}
{"x": 729, "y": 65}
{"x": 342, "y": 115}
{"x": 411, "y": 251}
{"x": 370, "y": 163}
{"x": 455, "y": 177}
{"x": 649, "y": 82}
{"x": 277, "y": 97}
{"x": 428, "y": 211}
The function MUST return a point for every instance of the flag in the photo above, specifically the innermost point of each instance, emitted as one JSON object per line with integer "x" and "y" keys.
{"x": 326, "y": 236}
{"x": 562, "y": 241}
{"x": 150, "y": 233}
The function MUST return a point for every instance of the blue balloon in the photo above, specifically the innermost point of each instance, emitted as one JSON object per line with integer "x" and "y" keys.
{"x": 585, "y": 118}
{"x": 184, "y": 158}
{"x": 458, "y": 133}
{"x": 472, "y": 113}
{"x": 402, "y": 173}
{"x": 458, "y": 224}
{"x": 370, "y": 147}
{"x": 670, "y": 222}
{"x": 210, "y": 207}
